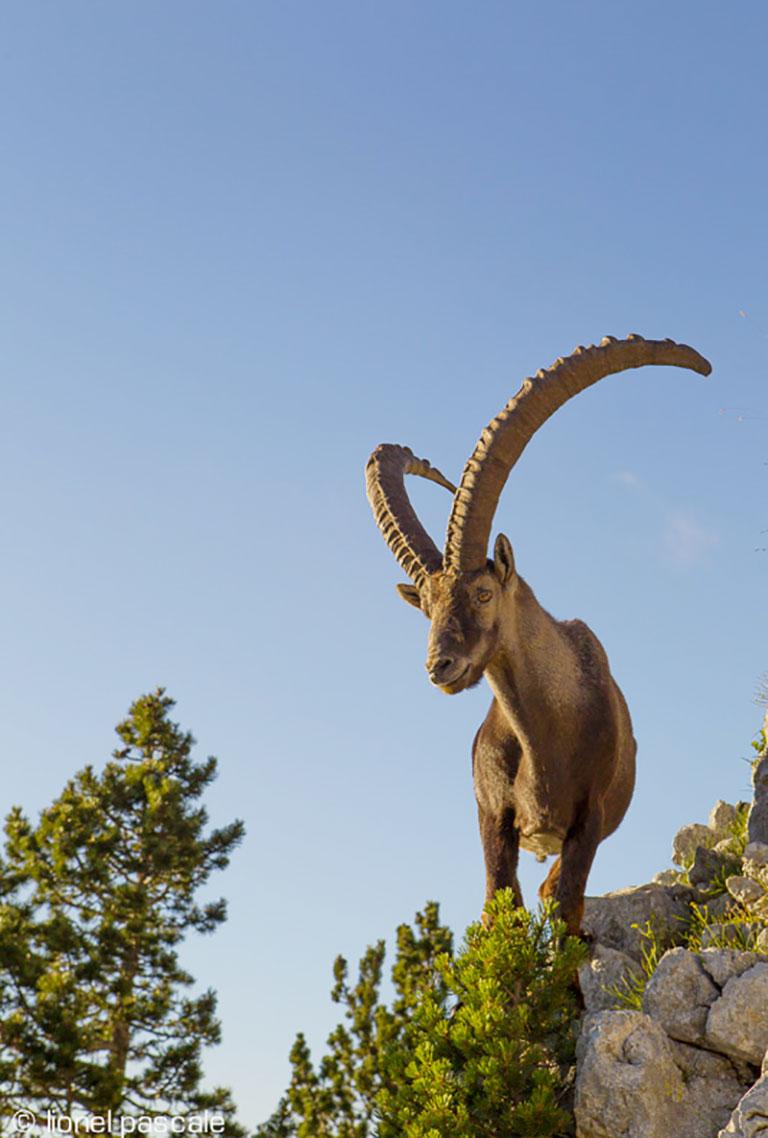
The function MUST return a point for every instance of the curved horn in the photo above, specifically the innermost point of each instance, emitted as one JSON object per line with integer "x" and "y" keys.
{"x": 414, "y": 549}
{"x": 504, "y": 439}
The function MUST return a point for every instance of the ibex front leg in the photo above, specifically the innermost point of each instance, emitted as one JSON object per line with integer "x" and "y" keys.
{"x": 569, "y": 884}
{"x": 501, "y": 848}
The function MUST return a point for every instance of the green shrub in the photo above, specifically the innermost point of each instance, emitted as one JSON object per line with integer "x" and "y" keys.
{"x": 477, "y": 1043}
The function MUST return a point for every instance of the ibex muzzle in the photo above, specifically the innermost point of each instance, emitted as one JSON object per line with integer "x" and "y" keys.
{"x": 554, "y": 760}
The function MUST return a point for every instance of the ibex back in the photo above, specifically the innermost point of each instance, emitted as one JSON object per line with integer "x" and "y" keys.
{"x": 554, "y": 760}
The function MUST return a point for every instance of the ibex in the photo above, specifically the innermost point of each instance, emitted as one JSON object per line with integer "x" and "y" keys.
{"x": 554, "y": 760}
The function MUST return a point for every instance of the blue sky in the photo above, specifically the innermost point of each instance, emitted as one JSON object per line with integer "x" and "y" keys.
{"x": 243, "y": 243}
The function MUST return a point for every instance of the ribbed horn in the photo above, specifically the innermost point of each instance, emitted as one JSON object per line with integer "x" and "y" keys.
{"x": 504, "y": 439}
{"x": 385, "y": 472}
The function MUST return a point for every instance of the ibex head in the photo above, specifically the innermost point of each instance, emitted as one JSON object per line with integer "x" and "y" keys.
{"x": 465, "y": 610}
{"x": 462, "y": 591}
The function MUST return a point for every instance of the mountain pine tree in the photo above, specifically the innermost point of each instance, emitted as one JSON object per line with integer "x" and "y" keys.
{"x": 96, "y": 1012}
{"x": 475, "y": 1044}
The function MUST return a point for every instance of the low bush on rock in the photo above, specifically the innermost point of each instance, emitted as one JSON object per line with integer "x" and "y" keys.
{"x": 476, "y": 1043}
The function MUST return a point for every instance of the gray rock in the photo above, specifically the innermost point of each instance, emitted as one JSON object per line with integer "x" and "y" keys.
{"x": 742, "y": 935}
{"x": 606, "y": 971}
{"x": 729, "y": 847}
{"x": 757, "y": 824}
{"x": 706, "y": 866}
{"x": 744, "y": 889}
{"x": 695, "y": 1062}
{"x": 756, "y": 853}
{"x": 633, "y": 1082}
{"x": 750, "y": 1118}
{"x": 627, "y": 1083}
{"x": 737, "y": 1024}
{"x": 719, "y": 906}
{"x": 755, "y": 862}
{"x": 679, "y": 996}
{"x": 721, "y": 817}
{"x": 666, "y": 877}
{"x": 615, "y": 920}
{"x": 712, "y": 1087}
{"x": 722, "y": 964}
{"x": 687, "y": 840}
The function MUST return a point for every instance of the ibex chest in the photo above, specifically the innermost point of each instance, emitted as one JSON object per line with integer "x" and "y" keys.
{"x": 508, "y": 777}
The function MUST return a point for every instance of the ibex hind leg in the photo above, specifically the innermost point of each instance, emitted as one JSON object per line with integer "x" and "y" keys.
{"x": 501, "y": 849}
{"x": 548, "y": 887}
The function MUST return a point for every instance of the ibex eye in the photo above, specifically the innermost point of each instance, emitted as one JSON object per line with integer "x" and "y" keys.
{"x": 484, "y": 595}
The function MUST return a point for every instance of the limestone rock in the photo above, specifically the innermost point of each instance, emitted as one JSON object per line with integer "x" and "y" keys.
{"x": 735, "y": 1019}
{"x": 633, "y": 1082}
{"x": 695, "y": 1061}
{"x": 750, "y": 1118}
{"x": 679, "y": 996}
{"x": 627, "y": 1084}
{"x": 737, "y": 1024}
{"x": 722, "y": 964}
{"x": 666, "y": 877}
{"x": 721, "y": 818}
{"x": 719, "y": 906}
{"x": 687, "y": 840}
{"x": 757, "y": 853}
{"x": 755, "y": 862}
{"x": 757, "y": 824}
{"x": 610, "y": 919}
{"x": 604, "y": 972}
{"x": 742, "y": 935}
{"x": 761, "y": 943}
{"x": 744, "y": 889}
{"x": 706, "y": 865}
{"x": 712, "y": 1087}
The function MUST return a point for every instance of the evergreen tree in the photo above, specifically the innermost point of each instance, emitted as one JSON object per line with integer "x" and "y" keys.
{"x": 339, "y": 1100}
{"x": 479, "y": 1044}
{"x": 95, "y": 1009}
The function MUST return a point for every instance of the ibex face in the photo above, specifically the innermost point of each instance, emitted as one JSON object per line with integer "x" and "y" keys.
{"x": 466, "y": 612}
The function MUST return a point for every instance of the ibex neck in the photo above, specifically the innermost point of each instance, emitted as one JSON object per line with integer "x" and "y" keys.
{"x": 534, "y": 675}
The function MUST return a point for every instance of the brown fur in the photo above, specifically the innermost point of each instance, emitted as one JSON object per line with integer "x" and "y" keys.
{"x": 554, "y": 761}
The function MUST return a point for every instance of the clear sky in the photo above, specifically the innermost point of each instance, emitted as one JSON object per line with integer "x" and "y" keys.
{"x": 243, "y": 243}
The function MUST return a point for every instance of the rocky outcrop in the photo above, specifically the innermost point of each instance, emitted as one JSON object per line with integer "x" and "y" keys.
{"x": 690, "y": 838}
{"x": 679, "y": 996}
{"x": 628, "y": 1082}
{"x": 606, "y": 975}
{"x": 737, "y": 1024}
{"x": 688, "y": 1064}
{"x": 617, "y": 919}
{"x": 757, "y": 825}
{"x": 717, "y": 999}
{"x": 635, "y": 1083}
{"x": 750, "y": 1118}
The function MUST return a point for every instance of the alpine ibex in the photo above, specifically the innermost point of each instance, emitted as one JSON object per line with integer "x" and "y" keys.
{"x": 554, "y": 760}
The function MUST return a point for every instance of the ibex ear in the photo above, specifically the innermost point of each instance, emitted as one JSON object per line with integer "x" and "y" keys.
{"x": 503, "y": 559}
{"x": 410, "y": 594}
